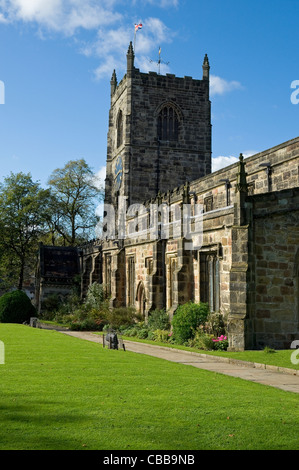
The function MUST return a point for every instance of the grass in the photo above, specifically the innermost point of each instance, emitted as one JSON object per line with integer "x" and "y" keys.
{"x": 62, "y": 393}
{"x": 280, "y": 358}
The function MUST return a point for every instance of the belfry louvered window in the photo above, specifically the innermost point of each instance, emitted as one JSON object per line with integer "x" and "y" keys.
{"x": 120, "y": 129}
{"x": 168, "y": 124}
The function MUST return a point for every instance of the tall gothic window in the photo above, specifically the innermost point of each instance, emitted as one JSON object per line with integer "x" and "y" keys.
{"x": 108, "y": 274}
{"x": 131, "y": 281}
{"x": 210, "y": 280}
{"x": 120, "y": 129}
{"x": 168, "y": 124}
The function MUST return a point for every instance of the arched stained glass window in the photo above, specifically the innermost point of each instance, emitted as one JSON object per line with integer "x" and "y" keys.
{"x": 168, "y": 124}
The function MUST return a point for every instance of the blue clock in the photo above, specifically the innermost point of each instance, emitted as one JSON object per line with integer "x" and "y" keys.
{"x": 118, "y": 173}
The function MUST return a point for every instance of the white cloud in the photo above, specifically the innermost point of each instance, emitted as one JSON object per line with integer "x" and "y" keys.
{"x": 60, "y": 15}
{"x": 222, "y": 162}
{"x": 99, "y": 178}
{"x": 3, "y": 19}
{"x": 249, "y": 153}
{"x": 110, "y": 24}
{"x": 111, "y": 47}
{"x": 219, "y": 86}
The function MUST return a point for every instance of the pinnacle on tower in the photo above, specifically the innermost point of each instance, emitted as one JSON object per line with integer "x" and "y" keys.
{"x": 113, "y": 82}
{"x": 130, "y": 59}
{"x": 206, "y": 68}
{"x": 241, "y": 185}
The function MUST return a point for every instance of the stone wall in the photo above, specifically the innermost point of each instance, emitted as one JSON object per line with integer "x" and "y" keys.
{"x": 284, "y": 173}
{"x": 274, "y": 317}
{"x": 152, "y": 163}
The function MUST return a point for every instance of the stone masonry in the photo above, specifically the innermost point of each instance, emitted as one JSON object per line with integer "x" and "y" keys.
{"x": 244, "y": 263}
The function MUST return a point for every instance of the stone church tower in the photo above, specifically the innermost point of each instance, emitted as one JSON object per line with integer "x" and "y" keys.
{"x": 246, "y": 262}
{"x": 159, "y": 133}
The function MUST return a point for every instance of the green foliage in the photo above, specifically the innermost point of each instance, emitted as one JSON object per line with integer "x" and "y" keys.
{"x": 121, "y": 316}
{"x": 91, "y": 313}
{"x": 201, "y": 340}
{"x": 16, "y": 307}
{"x": 74, "y": 192}
{"x": 142, "y": 333}
{"x": 162, "y": 336}
{"x": 95, "y": 296}
{"x": 220, "y": 343}
{"x": 269, "y": 350}
{"x": 152, "y": 335}
{"x": 158, "y": 320}
{"x": 215, "y": 324}
{"x": 88, "y": 324}
{"x": 187, "y": 319}
{"x": 50, "y": 306}
{"x": 24, "y": 214}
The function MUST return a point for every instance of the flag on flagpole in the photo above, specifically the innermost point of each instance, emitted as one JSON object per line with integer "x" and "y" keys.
{"x": 137, "y": 27}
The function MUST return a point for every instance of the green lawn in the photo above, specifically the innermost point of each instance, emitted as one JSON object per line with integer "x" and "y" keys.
{"x": 59, "y": 392}
{"x": 279, "y": 358}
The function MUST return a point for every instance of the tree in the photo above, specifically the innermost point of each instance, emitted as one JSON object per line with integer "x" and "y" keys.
{"x": 73, "y": 208}
{"x": 24, "y": 212}
{"x": 15, "y": 307}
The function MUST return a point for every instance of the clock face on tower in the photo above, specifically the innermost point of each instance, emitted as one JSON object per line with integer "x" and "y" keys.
{"x": 118, "y": 172}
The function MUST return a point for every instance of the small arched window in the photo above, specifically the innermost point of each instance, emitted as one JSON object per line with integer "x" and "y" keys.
{"x": 120, "y": 129}
{"x": 168, "y": 124}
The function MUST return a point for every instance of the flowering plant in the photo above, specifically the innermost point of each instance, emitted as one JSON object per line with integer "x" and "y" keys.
{"x": 220, "y": 343}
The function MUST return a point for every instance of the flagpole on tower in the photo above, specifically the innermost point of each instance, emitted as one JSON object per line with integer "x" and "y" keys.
{"x": 137, "y": 27}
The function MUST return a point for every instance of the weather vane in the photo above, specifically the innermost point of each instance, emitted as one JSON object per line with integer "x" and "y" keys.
{"x": 160, "y": 61}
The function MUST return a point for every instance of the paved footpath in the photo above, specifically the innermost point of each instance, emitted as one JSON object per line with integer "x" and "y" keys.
{"x": 285, "y": 379}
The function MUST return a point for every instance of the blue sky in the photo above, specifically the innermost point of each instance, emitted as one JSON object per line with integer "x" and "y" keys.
{"x": 57, "y": 58}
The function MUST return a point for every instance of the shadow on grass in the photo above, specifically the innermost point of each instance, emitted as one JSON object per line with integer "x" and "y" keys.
{"x": 46, "y": 425}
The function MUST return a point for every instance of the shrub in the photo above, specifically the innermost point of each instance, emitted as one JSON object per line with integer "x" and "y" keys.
{"x": 50, "y": 306}
{"x": 215, "y": 324}
{"x": 221, "y": 343}
{"x": 142, "y": 333}
{"x": 152, "y": 335}
{"x": 121, "y": 316}
{"x": 84, "y": 325}
{"x": 95, "y": 296}
{"x": 16, "y": 307}
{"x": 187, "y": 319}
{"x": 162, "y": 335}
{"x": 201, "y": 341}
{"x": 158, "y": 320}
{"x": 132, "y": 332}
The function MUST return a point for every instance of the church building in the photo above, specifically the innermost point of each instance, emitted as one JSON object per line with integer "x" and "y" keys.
{"x": 175, "y": 232}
